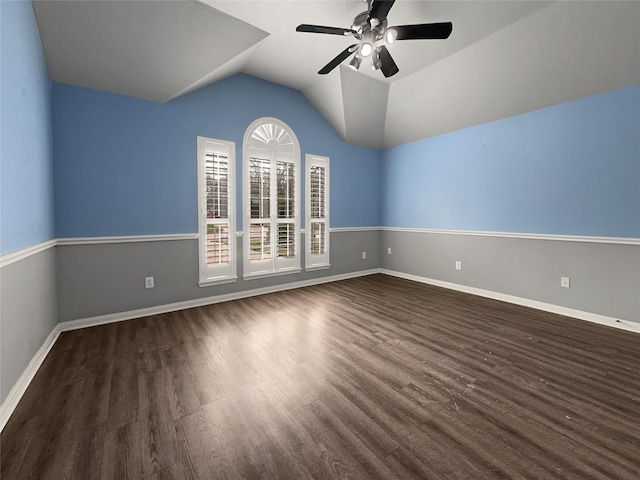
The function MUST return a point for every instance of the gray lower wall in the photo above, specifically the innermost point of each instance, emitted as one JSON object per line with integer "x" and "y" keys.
{"x": 28, "y": 313}
{"x": 101, "y": 279}
{"x": 605, "y": 278}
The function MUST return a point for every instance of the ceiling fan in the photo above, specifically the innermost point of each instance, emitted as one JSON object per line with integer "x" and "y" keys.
{"x": 371, "y": 29}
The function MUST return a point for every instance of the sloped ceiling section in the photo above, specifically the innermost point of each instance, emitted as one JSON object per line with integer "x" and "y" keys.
{"x": 563, "y": 52}
{"x": 326, "y": 95}
{"x": 153, "y": 50}
{"x": 503, "y": 58}
{"x": 364, "y": 100}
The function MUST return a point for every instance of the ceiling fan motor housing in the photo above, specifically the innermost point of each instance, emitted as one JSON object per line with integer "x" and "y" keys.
{"x": 361, "y": 25}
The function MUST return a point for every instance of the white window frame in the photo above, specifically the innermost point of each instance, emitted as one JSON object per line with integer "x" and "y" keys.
{"x": 316, "y": 262}
{"x": 216, "y": 274}
{"x": 274, "y": 152}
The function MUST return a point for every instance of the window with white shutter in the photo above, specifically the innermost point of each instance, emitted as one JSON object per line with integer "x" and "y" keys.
{"x": 317, "y": 212}
{"x": 271, "y": 171}
{"x": 216, "y": 206}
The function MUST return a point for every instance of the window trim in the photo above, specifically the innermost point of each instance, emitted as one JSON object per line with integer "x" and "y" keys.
{"x": 229, "y": 274}
{"x": 310, "y": 262}
{"x": 250, "y": 146}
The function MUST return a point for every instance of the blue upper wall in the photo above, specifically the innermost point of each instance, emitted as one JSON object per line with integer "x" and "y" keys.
{"x": 570, "y": 169}
{"x": 126, "y": 166}
{"x": 26, "y": 159}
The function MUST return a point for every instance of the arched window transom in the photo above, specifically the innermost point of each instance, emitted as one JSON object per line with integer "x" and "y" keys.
{"x": 274, "y": 136}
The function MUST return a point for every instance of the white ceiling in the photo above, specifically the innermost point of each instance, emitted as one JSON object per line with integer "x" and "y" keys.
{"x": 502, "y": 59}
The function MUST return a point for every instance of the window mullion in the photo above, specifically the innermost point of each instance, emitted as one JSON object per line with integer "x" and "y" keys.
{"x": 274, "y": 210}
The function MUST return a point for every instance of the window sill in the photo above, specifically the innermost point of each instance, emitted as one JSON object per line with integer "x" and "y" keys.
{"x": 318, "y": 267}
{"x": 217, "y": 281}
{"x": 252, "y": 276}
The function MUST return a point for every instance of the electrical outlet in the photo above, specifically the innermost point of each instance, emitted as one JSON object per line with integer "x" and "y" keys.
{"x": 565, "y": 282}
{"x": 389, "y": 251}
{"x": 364, "y": 255}
{"x": 458, "y": 265}
{"x": 148, "y": 282}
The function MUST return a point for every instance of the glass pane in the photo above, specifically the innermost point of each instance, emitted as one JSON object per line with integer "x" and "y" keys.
{"x": 217, "y": 185}
{"x": 317, "y": 238}
{"x": 317, "y": 189}
{"x": 260, "y": 184}
{"x": 217, "y": 244}
{"x": 286, "y": 240}
{"x": 286, "y": 189}
{"x": 260, "y": 238}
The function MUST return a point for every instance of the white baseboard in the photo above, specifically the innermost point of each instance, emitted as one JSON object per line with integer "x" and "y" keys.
{"x": 526, "y": 302}
{"x": 199, "y": 302}
{"x": 16, "y": 393}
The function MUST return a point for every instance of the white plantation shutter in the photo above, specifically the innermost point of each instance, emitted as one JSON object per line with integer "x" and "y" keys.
{"x": 286, "y": 185}
{"x": 260, "y": 209}
{"x": 260, "y": 188}
{"x": 216, "y": 224}
{"x": 317, "y": 212}
{"x": 271, "y": 199}
{"x": 217, "y": 209}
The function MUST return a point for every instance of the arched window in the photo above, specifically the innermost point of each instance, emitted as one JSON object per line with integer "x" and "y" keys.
{"x": 271, "y": 199}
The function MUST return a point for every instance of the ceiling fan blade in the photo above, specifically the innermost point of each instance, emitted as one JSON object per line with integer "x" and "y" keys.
{"x": 388, "y": 67}
{"x": 380, "y": 9}
{"x": 342, "y": 56}
{"x": 320, "y": 29}
{"x": 424, "y": 31}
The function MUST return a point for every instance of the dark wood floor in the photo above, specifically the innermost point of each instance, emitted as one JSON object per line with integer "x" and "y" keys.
{"x": 374, "y": 377}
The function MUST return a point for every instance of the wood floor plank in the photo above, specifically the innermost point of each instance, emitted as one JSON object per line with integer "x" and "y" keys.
{"x": 282, "y": 434}
{"x": 344, "y": 454}
{"x": 372, "y": 377}
{"x": 180, "y": 383}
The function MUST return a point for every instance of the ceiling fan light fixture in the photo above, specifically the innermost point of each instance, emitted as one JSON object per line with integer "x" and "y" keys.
{"x": 376, "y": 63}
{"x": 368, "y": 41}
{"x": 355, "y": 62}
{"x": 390, "y": 36}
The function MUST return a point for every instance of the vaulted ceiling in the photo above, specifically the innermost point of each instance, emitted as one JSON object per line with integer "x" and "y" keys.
{"x": 502, "y": 59}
